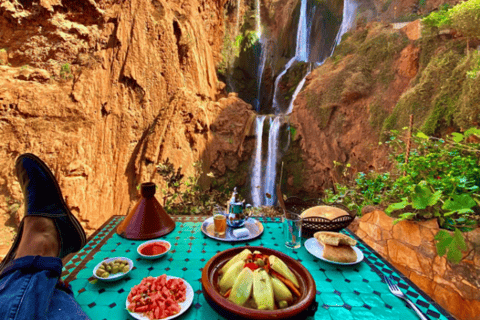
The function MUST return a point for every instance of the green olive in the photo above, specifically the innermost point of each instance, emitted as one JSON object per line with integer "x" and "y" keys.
{"x": 260, "y": 262}
{"x": 105, "y": 275}
{"x": 109, "y": 268}
{"x": 282, "y": 304}
{"x": 115, "y": 269}
{"x": 126, "y": 269}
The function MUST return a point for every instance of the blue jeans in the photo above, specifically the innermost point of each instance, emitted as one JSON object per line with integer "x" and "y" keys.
{"x": 29, "y": 289}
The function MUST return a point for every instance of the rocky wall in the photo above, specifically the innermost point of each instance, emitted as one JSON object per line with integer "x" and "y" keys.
{"x": 410, "y": 247}
{"x": 103, "y": 91}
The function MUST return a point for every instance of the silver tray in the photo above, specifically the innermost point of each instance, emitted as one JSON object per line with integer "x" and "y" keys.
{"x": 254, "y": 226}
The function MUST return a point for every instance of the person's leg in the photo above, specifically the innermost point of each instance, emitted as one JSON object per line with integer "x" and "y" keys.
{"x": 30, "y": 273}
{"x": 29, "y": 284}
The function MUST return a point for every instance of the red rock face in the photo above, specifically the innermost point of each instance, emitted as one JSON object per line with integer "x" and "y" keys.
{"x": 103, "y": 91}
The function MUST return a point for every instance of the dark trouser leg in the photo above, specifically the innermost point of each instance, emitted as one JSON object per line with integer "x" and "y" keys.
{"x": 28, "y": 290}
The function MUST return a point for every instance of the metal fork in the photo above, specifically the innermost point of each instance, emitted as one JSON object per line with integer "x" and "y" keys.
{"x": 396, "y": 292}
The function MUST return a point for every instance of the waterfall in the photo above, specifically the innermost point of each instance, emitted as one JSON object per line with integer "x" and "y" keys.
{"x": 301, "y": 51}
{"x": 238, "y": 16}
{"x": 277, "y": 81}
{"x": 349, "y": 10}
{"x": 258, "y": 20}
{"x": 263, "y": 59}
{"x": 266, "y": 184}
{"x": 256, "y": 183}
{"x": 271, "y": 171}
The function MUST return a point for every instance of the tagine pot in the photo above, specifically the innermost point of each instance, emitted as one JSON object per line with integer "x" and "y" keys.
{"x": 304, "y": 307}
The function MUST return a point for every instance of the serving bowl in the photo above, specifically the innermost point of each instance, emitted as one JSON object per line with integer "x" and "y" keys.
{"x": 304, "y": 307}
{"x": 116, "y": 276}
{"x": 152, "y": 257}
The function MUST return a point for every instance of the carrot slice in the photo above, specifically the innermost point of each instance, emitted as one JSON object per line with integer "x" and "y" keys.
{"x": 287, "y": 282}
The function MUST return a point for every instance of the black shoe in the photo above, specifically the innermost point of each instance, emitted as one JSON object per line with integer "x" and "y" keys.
{"x": 43, "y": 198}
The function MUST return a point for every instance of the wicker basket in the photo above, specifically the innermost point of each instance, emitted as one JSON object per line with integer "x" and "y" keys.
{"x": 312, "y": 225}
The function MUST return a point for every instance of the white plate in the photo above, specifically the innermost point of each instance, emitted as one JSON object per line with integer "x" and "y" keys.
{"x": 183, "y": 305}
{"x": 316, "y": 249}
{"x": 155, "y": 256}
{"x": 116, "y": 276}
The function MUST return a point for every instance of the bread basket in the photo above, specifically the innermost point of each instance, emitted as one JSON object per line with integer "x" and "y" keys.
{"x": 315, "y": 224}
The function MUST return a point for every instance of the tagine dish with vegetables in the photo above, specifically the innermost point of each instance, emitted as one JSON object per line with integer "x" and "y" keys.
{"x": 258, "y": 281}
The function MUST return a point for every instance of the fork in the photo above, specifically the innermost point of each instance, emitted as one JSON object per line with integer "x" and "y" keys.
{"x": 396, "y": 292}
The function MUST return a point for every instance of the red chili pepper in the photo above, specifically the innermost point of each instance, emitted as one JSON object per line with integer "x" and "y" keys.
{"x": 251, "y": 265}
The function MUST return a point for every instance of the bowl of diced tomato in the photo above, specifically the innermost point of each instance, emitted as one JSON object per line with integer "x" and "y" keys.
{"x": 164, "y": 297}
{"x": 154, "y": 249}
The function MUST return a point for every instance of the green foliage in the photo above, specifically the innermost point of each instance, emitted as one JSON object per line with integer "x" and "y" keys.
{"x": 465, "y": 17}
{"x": 293, "y": 132}
{"x": 247, "y": 40}
{"x": 441, "y": 95}
{"x": 187, "y": 196}
{"x": 451, "y": 245}
{"x": 66, "y": 71}
{"x": 475, "y": 69}
{"x": 438, "y": 19}
{"x": 440, "y": 180}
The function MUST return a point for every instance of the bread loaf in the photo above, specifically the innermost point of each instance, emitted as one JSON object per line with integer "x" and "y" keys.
{"x": 327, "y": 212}
{"x": 334, "y": 238}
{"x": 342, "y": 253}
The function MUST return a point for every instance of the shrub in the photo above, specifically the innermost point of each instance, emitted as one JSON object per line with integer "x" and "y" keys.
{"x": 465, "y": 17}
{"x": 188, "y": 197}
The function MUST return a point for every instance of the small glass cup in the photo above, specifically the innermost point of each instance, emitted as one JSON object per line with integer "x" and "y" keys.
{"x": 292, "y": 229}
{"x": 220, "y": 222}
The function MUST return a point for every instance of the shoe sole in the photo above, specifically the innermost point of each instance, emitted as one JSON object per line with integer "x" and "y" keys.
{"x": 83, "y": 238}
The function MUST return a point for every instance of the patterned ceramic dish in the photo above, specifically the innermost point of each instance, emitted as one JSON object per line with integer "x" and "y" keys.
{"x": 143, "y": 246}
{"x": 116, "y": 276}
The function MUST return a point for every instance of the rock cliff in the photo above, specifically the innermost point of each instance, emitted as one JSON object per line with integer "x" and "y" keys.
{"x": 105, "y": 90}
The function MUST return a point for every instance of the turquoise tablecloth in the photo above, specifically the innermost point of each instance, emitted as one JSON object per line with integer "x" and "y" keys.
{"x": 351, "y": 292}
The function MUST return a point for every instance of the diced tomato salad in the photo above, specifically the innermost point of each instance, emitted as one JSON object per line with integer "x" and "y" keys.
{"x": 157, "y": 298}
{"x": 154, "y": 248}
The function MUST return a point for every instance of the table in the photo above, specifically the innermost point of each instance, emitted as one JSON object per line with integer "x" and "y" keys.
{"x": 343, "y": 292}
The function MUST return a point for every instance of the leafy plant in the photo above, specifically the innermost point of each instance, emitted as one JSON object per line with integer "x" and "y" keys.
{"x": 475, "y": 70}
{"x": 465, "y": 17}
{"x": 438, "y": 19}
{"x": 186, "y": 196}
{"x": 66, "y": 71}
{"x": 440, "y": 180}
{"x": 451, "y": 245}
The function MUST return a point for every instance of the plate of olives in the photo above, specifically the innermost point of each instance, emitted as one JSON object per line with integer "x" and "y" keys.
{"x": 113, "y": 269}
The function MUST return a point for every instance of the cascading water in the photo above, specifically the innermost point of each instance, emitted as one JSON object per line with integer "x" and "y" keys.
{"x": 349, "y": 9}
{"x": 271, "y": 171}
{"x": 256, "y": 183}
{"x": 262, "y": 186}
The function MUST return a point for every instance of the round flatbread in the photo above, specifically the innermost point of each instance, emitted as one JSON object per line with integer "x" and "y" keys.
{"x": 326, "y": 212}
{"x": 342, "y": 253}
{"x": 334, "y": 238}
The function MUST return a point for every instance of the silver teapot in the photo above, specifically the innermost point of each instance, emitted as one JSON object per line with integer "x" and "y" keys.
{"x": 236, "y": 211}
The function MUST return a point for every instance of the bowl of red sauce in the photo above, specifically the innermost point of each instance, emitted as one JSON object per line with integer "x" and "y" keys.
{"x": 154, "y": 249}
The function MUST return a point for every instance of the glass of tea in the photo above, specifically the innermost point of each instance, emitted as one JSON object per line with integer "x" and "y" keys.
{"x": 220, "y": 222}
